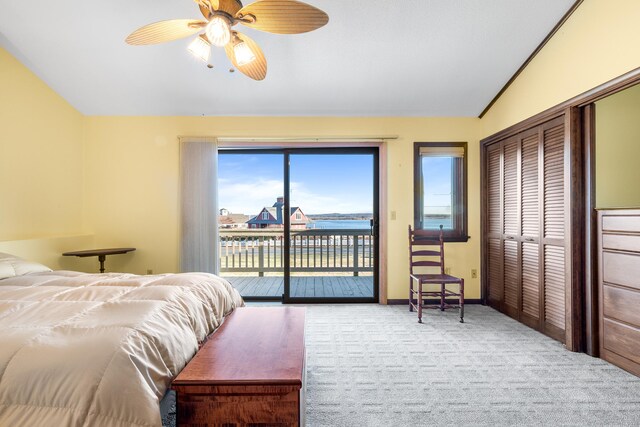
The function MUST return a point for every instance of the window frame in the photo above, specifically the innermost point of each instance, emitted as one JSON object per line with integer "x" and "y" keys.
{"x": 460, "y": 221}
{"x": 265, "y": 216}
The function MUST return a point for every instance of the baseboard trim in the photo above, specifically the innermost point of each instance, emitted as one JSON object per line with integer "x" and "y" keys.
{"x": 433, "y": 301}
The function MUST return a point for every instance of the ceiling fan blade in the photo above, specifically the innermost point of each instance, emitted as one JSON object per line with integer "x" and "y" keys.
{"x": 256, "y": 69}
{"x": 205, "y": 8}
{"x": 165, "y": 31}
{"x": 283, "y": 16}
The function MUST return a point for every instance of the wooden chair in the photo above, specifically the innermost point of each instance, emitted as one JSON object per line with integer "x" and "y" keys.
{"x": 421, "y": 246}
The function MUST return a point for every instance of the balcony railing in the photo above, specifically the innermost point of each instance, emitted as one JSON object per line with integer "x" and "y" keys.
{"x": 262, "y": 251}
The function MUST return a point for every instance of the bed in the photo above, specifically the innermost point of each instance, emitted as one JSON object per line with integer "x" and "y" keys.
{"x": 84, "y": 349}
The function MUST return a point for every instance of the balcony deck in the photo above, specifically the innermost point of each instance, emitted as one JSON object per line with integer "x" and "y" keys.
{"x": 307, "y": 287}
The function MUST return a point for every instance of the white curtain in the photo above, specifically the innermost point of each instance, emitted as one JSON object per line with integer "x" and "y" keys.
{"x": 199, "y": 205}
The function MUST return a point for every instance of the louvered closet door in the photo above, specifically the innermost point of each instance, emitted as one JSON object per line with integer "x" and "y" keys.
{"x": 530, "y": 205}
{"x": 526, "y": 227}
{"x": 511, "y": 228}
{"x": 554, "y": 229}
{"x": 494, "y": 225}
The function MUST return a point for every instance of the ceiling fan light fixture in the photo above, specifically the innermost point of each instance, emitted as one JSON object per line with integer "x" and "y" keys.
{"x": 219, "y": 30}
{"x": 200, "y": 48}
{"x": 216, "y": 29}
{"x": 244, "y": 54}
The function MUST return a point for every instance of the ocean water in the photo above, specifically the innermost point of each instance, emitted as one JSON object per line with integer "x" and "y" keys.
{"x": 364, "y": 224}
{"x": 430, "y": 223}
{"x": 340, "y": 224}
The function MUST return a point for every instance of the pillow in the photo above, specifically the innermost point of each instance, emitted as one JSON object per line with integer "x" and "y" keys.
{"x": 11, "y": 266}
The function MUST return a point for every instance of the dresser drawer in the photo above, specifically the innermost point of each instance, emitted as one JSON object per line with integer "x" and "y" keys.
{"x": 622, "y": 223}
{"x": 621, "y": 242}
{"x": 622, "y": 339}
{"x": 621, "y": 304}
{"x": 621, "y": 269}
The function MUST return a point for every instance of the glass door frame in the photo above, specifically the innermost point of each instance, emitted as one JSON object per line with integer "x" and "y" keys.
{"x": 374, "y": 152}
{"x": 241, "y": 150}
{"x": 287, "y": 152}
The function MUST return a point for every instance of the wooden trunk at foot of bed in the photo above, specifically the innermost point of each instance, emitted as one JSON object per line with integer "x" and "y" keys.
{"x": 251, "y": 371}
{"x": 239, "y": 405}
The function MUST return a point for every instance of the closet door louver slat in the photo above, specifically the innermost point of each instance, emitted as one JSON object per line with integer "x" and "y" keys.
{"x": 531, "y": 280}
{"x": 554, "y": 285}
{"x": 511, "y": 275}
{"x": 530, "y": 204}
{"x": 511, "y": 188}
{"x": 493, "y": 174}
{"x": 496, "y": 290}
{"x": 554, "y": 182}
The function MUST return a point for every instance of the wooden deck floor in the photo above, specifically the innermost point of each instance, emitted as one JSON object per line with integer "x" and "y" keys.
{"x": 308, "y": 287}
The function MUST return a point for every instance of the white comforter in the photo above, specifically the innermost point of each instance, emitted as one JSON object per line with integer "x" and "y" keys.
{"x": 100, "y": 349}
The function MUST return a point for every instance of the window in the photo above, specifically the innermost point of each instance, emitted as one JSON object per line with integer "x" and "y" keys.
{"x": 265, "y": 216}
{"x": 440, "y": 175}
{"x": 298, "y": 215}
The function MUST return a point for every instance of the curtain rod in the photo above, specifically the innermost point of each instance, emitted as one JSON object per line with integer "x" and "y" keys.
{"x": 335, "y": 139}
{"x": 308, "y": 139}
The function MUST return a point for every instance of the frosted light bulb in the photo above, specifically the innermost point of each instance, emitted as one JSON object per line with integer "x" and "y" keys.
{"x": 243, "y": 53}
{"x": 219, "y": 30}
{"x": 200, "y": 48}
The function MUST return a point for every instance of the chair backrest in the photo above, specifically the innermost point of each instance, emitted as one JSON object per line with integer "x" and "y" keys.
{"x": 422, "y": 245}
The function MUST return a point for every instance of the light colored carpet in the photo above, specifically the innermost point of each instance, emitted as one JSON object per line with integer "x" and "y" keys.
{"x": 373, "y": 365}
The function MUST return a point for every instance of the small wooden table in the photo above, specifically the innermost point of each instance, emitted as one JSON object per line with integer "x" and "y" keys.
{"x": 250, "y": 371}
{"x": 100, "y": 253}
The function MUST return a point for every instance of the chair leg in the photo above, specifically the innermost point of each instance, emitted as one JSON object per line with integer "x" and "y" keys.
{"x": 419, "y": 301}
{"x": 410, "y": 294}
{"x": 442, "y": 295}
{"x": 461, "y": 300}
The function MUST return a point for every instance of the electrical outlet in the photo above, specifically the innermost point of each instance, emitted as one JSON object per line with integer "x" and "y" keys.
{"x": 474, "y": 274}
{"x": 393, "y": 215}
{"x": 149, "y": 271}
{"x": 447, "y": 270}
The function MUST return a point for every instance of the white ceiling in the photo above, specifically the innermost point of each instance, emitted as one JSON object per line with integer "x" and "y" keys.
{"x": 374, "y": 58}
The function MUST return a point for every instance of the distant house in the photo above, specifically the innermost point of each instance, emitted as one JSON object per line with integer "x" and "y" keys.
{"x": 271, "y": 217}
{"x": 227, "y": 219}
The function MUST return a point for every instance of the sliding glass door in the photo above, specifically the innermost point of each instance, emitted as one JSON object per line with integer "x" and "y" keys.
{"x": 251, "y": 227}
{"x": 332, "y": 204}
{"x": 300, "y": 225}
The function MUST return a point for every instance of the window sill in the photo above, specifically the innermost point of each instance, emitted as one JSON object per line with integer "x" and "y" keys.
{"x": 455, "y": 239}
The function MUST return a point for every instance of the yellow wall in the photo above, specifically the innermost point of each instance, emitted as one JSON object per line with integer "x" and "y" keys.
{"x": 41, "y": 170}
{"x": 598, "y": 43}
{"x": 48, "y": 250}
{"x": 133, "y": 176}
{"x": 40, "y": 157}
{"x": 618, "y": 150}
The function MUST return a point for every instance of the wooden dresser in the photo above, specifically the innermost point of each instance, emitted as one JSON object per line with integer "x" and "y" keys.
{"x": 250, "y": 372}
{"x": 619, "y": 287}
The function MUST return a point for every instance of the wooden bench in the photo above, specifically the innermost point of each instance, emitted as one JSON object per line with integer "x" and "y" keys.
{"x": 251, "y": 371}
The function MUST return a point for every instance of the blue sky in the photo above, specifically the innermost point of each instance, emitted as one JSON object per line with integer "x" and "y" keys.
{"x": 320, "y": 183}
{"x": 436, "y": 181}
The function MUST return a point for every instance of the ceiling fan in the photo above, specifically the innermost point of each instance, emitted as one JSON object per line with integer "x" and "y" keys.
{"x": 273, "y": 16}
